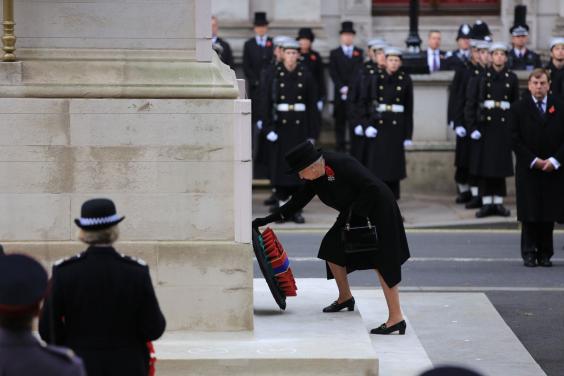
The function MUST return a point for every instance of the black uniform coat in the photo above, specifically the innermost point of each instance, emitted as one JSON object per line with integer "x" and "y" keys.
{"x": 539, "y": 194}
{"x": 224, "y": 52}
{"x": 530, "y": 61}
{"x": 312, "y": 61}
{"x": 556, "y": 80}
{"x": 103, "y": 306}
{"x": 255, "y": 59}
{"x": 385, "y": 154}
{"x": 21, "y": 354}
{"x": 493, "y": 158}
{"x": 292, "y": 127}
{"x": 454, "y": 60}
{"x": 353, "y": 186}
{"x": 343, "y": 70}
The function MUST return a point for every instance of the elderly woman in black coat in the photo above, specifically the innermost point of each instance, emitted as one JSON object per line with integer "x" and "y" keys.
{"x": 342, "y": 183}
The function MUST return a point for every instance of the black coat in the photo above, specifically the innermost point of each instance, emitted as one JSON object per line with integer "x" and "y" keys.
{"x": 539, "y": 194}
{"x": 556, "y": 80}
{"x": 444, "y": 65}
{"x": 103, "y": 306}
{"x": 354, "y": 187}
{"x": 491, "y": 156}
{"x": 385, "y": 154}
{"x": 224, "y": 52}
{"x": 343, "y": 70}
{"x": 255, "y": 59}
{"x": 292, "y": 127}
{"x": 530, "y": 61}
{"x": 454, "y": 60}
{"x": 312, "y": 61}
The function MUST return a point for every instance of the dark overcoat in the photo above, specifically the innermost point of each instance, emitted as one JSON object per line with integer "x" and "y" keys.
{"x": 343, "y": 70}
{"x": 385, "y": 154}
{"x": 352, "y": 186}
{"x": 312, "y": 60}
{"x": 540, "y": 195}
{"x": 292, "y": 127}
{"x": 556, "y": 80}
{"x": 103, "y": 306}
{"x": 493, "y": 157}
{"x": 224, "y": 52}
{"x": 530, "y": 61}
{"x": 455, "y": 60}
{"x": 255, "y": 59}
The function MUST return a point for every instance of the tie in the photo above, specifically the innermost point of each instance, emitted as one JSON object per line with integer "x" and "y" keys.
{"x": 349, "y": 52}
{"x": 541, "y": 109}
{"x": 435, "y": 62}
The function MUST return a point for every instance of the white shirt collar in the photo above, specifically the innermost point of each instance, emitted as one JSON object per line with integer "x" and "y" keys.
{"x": 260, "y": 39}
{"x": 520, "y": 52}
{"x": 544, "y": 101}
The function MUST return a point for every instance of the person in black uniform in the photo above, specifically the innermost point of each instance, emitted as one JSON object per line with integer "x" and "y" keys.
{"x": 487, "y": 113}
{"x": 292, "y": 116}
{"x": 537, "y": 123}
{"x": 520, "y": 57}
{"x": 458, "y": 58}
{"x": 342, "y": 183}
{"x": 102, "y": 304}
{"x": 390, "y": 129}
{"x": 555, "y": 67}
{"x": 220, "y": 46}
{"x": 344, "y": 63}
{"x": 23, "y": 284}
{"x": 311, "y": 59}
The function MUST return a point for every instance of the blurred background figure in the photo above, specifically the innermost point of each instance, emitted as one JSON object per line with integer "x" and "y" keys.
{"x": 435, "y": 57}
{"x": 520, "y": 57}
{"x": 220, "y": 46}
{"x": 556, "y": 67}
{"x": 457, "y": 58}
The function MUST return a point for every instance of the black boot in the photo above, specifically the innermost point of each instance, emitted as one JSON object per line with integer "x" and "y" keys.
{"x": 336, "y": 306}
{"x": 486, "y": 211}
{"x": 474, "y": 203}
{"x": 463, "y": 197}
{"x": 502, "y": 210}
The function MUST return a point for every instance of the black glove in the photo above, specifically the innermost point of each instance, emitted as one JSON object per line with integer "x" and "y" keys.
{"x": 259, "y": 222}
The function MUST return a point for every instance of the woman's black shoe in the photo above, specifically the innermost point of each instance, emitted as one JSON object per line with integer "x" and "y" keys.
{"x": 463, "y": 197}
{"x": 383, "y": 329}
{"x": 336, "y": 306}
{"x": 474, "y": 203}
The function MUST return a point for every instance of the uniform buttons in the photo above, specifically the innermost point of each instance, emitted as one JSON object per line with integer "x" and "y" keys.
{"x": 299, "y": 73}
{"x": 282, "y": 97}
{"x": 507, "y": 85}
{"x": 282, "y": 85}
{"x": 398, "y": 88}
{"x": 381, "y": 87}
{"x": 297, "y": 122}
{"x": 503, "y": 119}
{"x": 283, "y": 121}
{"x": 489, "y": 95}
{"x": 300, "y": 85}
{"x": 489, "y": 118}
{"x": 397, "y": 99}
{"x": 299, "y": 97}
{"x": 394, "y": 122}
{"x": 371, "y": 71}
{"x": 505, "y": 97}
{"x": 381, "y": 99}
{"x": 488, "y": 84}
{"x": 400, "y": 77}
{"x": 381, "y": 121}
{"x": 282, "y": 73}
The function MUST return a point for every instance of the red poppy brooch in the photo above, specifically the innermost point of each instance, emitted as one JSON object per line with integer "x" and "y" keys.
{"x": 312, "y": 57}
{"x": 330, "y": 174}
{"x": 551, "y": 110}
{"x": 356, "y": 53}
{"x": 268, "y": 43}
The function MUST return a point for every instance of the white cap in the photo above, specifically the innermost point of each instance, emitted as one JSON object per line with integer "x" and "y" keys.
{"x": 377, "y": 44}
{"x": 279, "y": 40}
{"x": 555, "y": 41}
{"x": 498, "y": 46}
{"x": 393, "y": 51}
{"x": 483, "y": 44}
{"x": 290, "y": 44}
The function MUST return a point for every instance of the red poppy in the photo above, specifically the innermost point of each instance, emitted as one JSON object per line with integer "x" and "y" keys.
{"x": 356, "y": 53}
{"x": 330, "y": 173}
{"x": 551, "y": 110}
{"x": 268, "y": 43}
{"x": 312, "y": 57}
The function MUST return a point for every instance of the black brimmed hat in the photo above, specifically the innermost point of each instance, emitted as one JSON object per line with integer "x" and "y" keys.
{"x": 307, "y": 33}
{"x": 347, "y": 27}
{"x": 260, "y": 19}
{"x": 520, "y": 27}
{"x": 302, "y": 156}
{"x": 23, "y": 284}
{"x": 98, "y": 214}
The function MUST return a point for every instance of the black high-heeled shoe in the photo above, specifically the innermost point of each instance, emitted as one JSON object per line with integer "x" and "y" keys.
{"x": 383, "y": 329}
{"x": 336, "y": 306}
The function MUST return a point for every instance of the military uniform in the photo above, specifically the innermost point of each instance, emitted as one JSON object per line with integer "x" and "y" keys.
{"x": 556, "y": 80}
{"x": 313, "y": 62}
{"x": 456, "y": 59}
{"x": 518, "y": 60}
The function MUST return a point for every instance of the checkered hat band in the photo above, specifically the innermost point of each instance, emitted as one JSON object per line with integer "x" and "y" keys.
{"x": 99, "y": 221}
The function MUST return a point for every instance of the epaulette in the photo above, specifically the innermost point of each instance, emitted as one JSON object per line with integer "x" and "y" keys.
{"x": 133, "y": 260}
{"x": 61, "y": 352}
{"x": 68, "y": 260}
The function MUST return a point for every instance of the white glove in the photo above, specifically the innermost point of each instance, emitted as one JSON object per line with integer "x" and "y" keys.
{"x": 476, "y": 135}
{"x": 259, "y": 125}
{"x": 272, "y": 136}
{"x": 311, "y": 140}
{"x": 460, "y": 131}
{"x": 407, "y": 143}
{"x": 344, "y": 91}
{"x": 451, "y": 125}
{"x": 358, "y": 130}
{"x": 371, "y": 132}
{"x": 320, "y": 106}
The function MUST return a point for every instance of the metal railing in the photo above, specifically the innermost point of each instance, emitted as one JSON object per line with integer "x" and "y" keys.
{"x": 9, "y": 37}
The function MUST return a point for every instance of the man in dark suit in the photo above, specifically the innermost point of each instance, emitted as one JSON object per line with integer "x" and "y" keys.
{"x": 102, "y": 303}
{"x": 220, "y": 46}
{"x": 556, "y": 67}
{"x": 537, "y": 124}
{"x": 344, "y": 63}
{"x": 520, "y": 57}
{"x": 435, "y": 56}
{"x": 458, "y": 58}
{"x": 23, "y": 284}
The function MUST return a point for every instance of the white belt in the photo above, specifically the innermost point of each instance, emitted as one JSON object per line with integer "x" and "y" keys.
{"x": 285, "y": 107}
{"x": 389, "y": 107}
{"x": 504, "y": 105}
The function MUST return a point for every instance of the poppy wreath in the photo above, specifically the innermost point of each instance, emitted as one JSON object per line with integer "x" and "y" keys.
{"x": 278, "y": 260}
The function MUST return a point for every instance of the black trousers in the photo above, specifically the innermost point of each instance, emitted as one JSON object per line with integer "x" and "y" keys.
{"x": 461, "y": 175}
{"x": 493, "y": 187}
{"x": 537, "y": 239}
{"x": 340, "y": 115}
{"x": 394, "y": 187}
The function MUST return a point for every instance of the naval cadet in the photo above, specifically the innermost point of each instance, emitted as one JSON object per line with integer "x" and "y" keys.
{"x": 391, "y": 122}
{"x": 520, "y": 57}
{"x": 556, "y": 67}
{"x": 458, "y": 58}
{"x": 344, "y": 63}
{"x": 292, "y": 115}
{"x": 102, "y": 303}
{"x": 487, "y": 112}
{"x": 23, "y": 285}
{"x": 537, "y": 123}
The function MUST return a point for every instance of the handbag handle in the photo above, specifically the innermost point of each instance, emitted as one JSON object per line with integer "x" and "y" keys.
{"x": 348, "y": 224}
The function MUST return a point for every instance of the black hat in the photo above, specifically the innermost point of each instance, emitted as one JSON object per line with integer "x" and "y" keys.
{"x": 302, "y": 156}
{"x": 450, "y": 371}
{"x": 260, "y": 19}
{"x": 347, "y": 27}
{"x": 464, "y": 31}
{"x": 307, "y": 33}
{"x": 98, "y": 214}
{"x": 520, "y": 27}
{"x": 23, "y": 283}
{"x": 481, "y": 31}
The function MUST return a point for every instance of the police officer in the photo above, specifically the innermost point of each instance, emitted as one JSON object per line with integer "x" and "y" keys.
{"x": 220, "y": 46}
{"x": 458, "y": 58}
{"x": 292, "y": 116}
{"x": 391, "y": 122}
{"x": 556, "y": 67}
{"x": 102, "y": 304}
{"x": 520, "y": 57}
{"x": 23, "y": 284}
{"x": 487, "y": 112}
{"x": 344, "y": 63}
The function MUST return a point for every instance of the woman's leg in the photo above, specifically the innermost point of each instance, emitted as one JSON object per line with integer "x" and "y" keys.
{"x": 340, "y": 274}
{"x": 392, "y": 300}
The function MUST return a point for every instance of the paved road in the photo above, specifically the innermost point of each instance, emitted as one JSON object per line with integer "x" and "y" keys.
{"x": 530, "y": 300}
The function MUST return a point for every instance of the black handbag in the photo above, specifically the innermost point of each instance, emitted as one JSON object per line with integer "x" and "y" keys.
{"x": 359, "y": 239}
